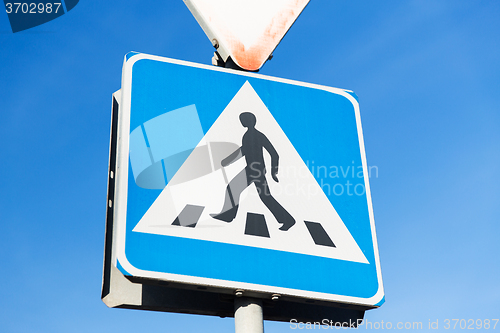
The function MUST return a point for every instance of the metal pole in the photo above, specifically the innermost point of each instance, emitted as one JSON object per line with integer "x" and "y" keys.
{"x": 248, "y": 317}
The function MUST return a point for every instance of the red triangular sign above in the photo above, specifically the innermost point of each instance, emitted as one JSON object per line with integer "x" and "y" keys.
{"x": 246, "y": 30}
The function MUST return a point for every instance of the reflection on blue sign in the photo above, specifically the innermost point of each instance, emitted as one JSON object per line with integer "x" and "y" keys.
{"x": 173, "y": 136}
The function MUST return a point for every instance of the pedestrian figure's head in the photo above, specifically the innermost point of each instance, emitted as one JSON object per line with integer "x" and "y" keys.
{"x": 248, "y": 119}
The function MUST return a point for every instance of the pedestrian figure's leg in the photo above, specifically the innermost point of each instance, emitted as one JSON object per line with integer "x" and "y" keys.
{"x": 280, "y": 213}
{"x": 232, "y": 198}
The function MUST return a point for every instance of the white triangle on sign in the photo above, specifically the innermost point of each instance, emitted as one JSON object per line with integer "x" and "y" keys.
{"x": 297, "y": 191}
{"x": 246, "y": 30}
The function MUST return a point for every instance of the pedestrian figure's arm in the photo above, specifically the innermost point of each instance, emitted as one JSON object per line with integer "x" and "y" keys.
{"x": 236, "y": 155}
{"x": 274, "y": 158}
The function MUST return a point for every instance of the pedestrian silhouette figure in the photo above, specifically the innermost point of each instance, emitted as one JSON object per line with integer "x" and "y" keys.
{"x": 252, "y": 147}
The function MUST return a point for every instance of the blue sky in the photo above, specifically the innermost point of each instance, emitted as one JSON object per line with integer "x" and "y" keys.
{"x": 427, "y": 76}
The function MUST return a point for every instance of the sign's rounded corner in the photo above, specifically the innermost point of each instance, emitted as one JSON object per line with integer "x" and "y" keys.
{"x": 353, "y": 94}
{"x": 379, "y": 297}
{"x": 347, "y": 94}
{"x": 382, "y": 301}
{"x": 124, "y": 265}
{"x": 351, "y": 97}
{"x": 133, "y": 58}
{"x": 130, "y": 55}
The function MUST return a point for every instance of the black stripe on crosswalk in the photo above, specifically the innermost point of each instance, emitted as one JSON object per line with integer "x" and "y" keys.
{"x": 256, "y": 225}
{"x": 318, "y": 234}
{"x": 189, "y": 216}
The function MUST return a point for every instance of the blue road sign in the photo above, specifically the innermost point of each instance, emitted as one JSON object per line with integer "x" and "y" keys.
{"x": 237, "y": 180}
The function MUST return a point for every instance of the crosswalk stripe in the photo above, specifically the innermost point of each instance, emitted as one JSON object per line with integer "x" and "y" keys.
{"x": 318, "y": 234}
{"x": 256, "y": 225}
{"x": 189, "y": 216}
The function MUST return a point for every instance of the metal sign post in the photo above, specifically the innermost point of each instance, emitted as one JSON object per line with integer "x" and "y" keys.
{"x": 248, "y": 315}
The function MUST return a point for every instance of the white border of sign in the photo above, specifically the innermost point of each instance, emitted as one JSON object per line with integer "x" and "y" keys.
{"x": 120, "y": 204}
